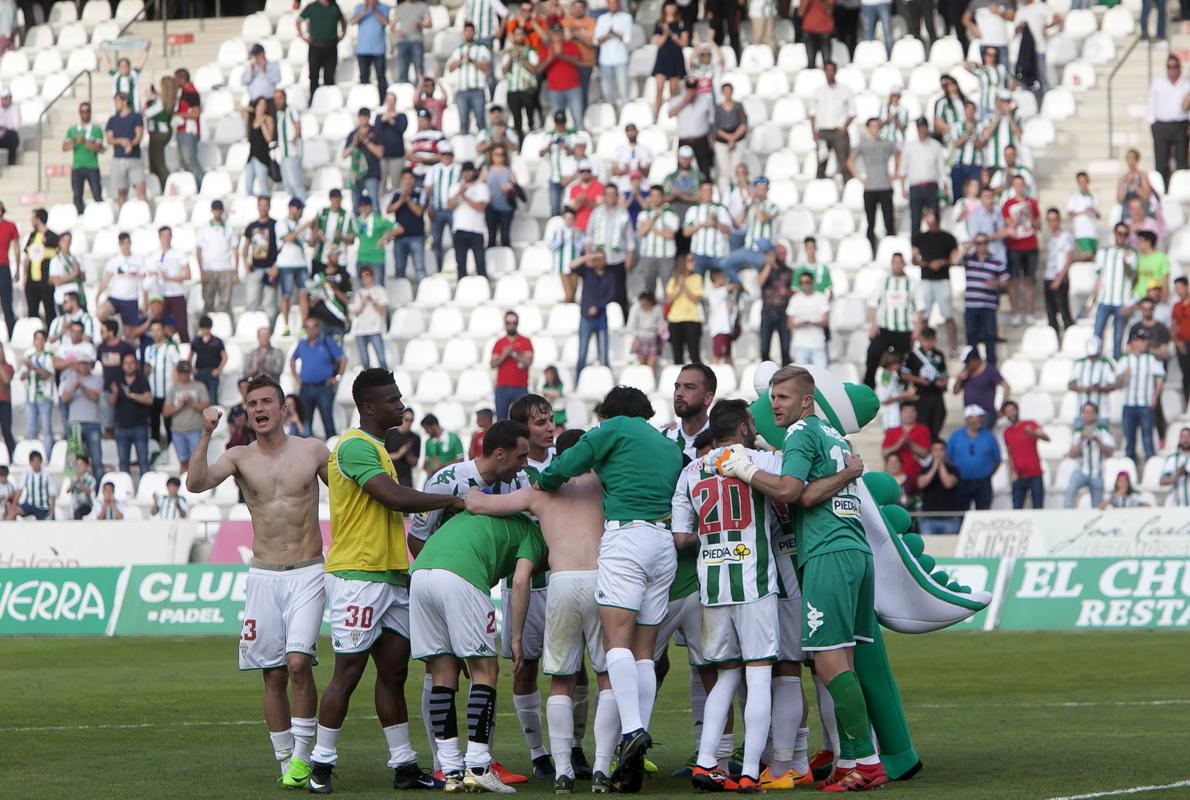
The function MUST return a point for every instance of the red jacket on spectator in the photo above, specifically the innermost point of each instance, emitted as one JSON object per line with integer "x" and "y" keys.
{"x": 919, "y": 435}
{"x": 561, "y": 75}
{"x": 1022, "y": 449}
{"x": 583, "y": 199}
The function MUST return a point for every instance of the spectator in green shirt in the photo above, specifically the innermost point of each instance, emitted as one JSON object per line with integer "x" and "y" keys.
{"x": 442, "y": 448}
{"x": 86, "y": 141}
{"x": 324, "y": 26}
{"x": 1152, "y": 267}
{"x": 374, "y": 232}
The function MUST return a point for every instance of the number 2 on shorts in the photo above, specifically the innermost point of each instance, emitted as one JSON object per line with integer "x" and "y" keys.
{"x": 358, "y": 617}
{"x": 491, "y": 622}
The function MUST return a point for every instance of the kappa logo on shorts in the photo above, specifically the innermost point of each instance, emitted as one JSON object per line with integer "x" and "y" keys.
{"x": 813, "y": 619}
{"x": 485, "y": 650}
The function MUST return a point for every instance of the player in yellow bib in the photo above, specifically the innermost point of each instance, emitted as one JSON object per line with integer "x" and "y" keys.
{"x": 367, "y": 580}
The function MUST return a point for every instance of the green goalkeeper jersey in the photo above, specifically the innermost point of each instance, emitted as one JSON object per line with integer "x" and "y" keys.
{"x": 482, "y": 550}
{"x": 814, "y": 450}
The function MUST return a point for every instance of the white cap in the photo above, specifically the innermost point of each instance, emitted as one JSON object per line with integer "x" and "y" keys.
{"x": 584, "y": 165}
{"x": 967, "y": 352}
{"x": 973, "y": 411}
{"x": 445, "y": 148}
{"x": 685, "y": 151}
{"x": 1004, "y": 94}
{"x": 1093, "y": 346}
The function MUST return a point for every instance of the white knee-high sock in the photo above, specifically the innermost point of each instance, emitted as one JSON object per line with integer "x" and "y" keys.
{"x": 282, "y": 747}
{"x": 622, "y": 672}
{"x": 826, "y": 712}
{"x": 646, "y": 687}
{"x": 787, "y": 716}
{"x": 607, "y": 730}
{"x": 426, "y": 685}
{"x": 559, "y": 711}
{"x": 528, "y": 711}
{"x": 801, "y": 751}
{"x": 581, "y": 710}
{"x": 326, "y": 746}
{"x": 758, "y": 712}
{"x": 715, "y": 717}
{"x": 303, "y": 736}
{"x": 698, "y": 702}
{"x": 400, "y": 748}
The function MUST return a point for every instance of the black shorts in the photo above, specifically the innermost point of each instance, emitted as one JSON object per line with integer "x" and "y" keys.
{"x": 1022, "y": 263}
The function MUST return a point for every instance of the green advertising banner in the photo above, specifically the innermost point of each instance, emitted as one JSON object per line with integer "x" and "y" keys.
{"x": 1074, "y": 593}
{"x": 180, "y": 600}
{"x": 74, "y": 601}
{"x": 982, "y": 575}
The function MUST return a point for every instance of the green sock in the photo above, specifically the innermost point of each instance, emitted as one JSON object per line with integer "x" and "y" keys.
{"x": 851, "y": 715}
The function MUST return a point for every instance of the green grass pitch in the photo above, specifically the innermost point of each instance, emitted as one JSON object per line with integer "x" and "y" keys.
{"x": 995, "y": 716}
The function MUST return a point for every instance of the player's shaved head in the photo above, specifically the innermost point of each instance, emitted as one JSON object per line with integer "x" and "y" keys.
{"x": 726, "y": 418}
{"x": 626, "y": 401}
{"x": 568, "y": 439}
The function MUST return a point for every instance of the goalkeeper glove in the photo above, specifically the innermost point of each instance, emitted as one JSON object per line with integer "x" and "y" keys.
{"x": 733, "y": 462}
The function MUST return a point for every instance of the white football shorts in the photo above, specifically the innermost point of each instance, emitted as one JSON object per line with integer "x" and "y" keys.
{"x": 361, "y": 609}
{"x": 741, "y": 631}
{"x": 449, "y": 615}
{"x": 282, "y": 614}
{"x": 637, "y": 562}
{"x": 572, "y": 619}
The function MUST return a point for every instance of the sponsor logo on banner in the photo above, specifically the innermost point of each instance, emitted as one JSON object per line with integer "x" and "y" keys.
{"x": 58, "y": 602}
{"x": 85, "y": 544}
{"x": 194, "y": 598}
{"x": 1067, "y": 594}
{"x": 1086, "y": 533}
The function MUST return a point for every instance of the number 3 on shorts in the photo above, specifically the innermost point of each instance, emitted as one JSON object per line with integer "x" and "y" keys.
{"x": 358, "y": 617}
{"x": 249, "y": 632}
{"x": 491, "y": 622}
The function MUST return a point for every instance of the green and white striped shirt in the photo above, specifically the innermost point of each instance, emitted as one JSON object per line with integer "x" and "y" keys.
{"x": 168, "y": 507}
{"x": 560, "y": 142}
{"x": 130, "y": 85}
{"x": 1093, "y": 371}
{"x": 1143, "y": 370}
{"x": 1002, "y": 136}
{"x": 483, "y": 15}
{"x": 37, "y": 488}
{"x": 895, "y": 304}
{"x": 651, "y": 244}
{"x": 611, "y": 232}
{"x": 895, "y": 122}
{"x": 289, "y": 144}
{"x": 334, "y": 226}
{"x": 161, "y": 359}
{"x": 566, "y": 244}
{"x": 708, "y": 241}
{"x": 1090, "y": 455}
{"x": 470, "y": 75}
{"x": 1175, "y": 466}
{"x": 441, "y": 181}
{"x": 948, "y": 110}
{"x": 61, "y": 325}
{"x": 969, "y": 153}
{"x": 40, "y": 389}
{"x": 991, "y": 80}
{"x": 756, "y": 229}
{"x": 1116, "y": 267}
{"x": 520, "y": 75}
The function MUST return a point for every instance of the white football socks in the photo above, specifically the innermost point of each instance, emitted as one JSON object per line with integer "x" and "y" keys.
{"x": 646, "y": 686}
{"x": 826, "y": 712}
{"x": 559, "y": 711}
{"x": 801, "y": 751}
{"x": 528, "y": 711}
{"x": 607, "y": 730}
{"x": 325, "y": 746}
{"x": 400, "y": 748}
{"x": 282, "y": 747}
{"x": 303, "y": 736}
{"x": 698, "y": 702}
{"x": 787, "y": 715}
{"x": 715, "y": 717}
{"x": 622, "y": 672}
{"x": 427, "y": 685}
{"x": 757, "y": 715}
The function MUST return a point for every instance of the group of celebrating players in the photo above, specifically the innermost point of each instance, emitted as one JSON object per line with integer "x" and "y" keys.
{"x": 607, "y": 544}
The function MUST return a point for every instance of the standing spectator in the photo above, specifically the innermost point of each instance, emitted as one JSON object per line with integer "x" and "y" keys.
{"x": 404, "y": 446}
{"x": 976, "y": 453}
{"x": 1142, "y": 377}
{"x": 375, "y": 231}
{"x": 125, "y": 77}
{"x": 483, "y": 421}
{"x": 1060, "y": 255}
{"x": 579, "y": 28}
{"x": 409, "y": 19}
{"x": 992, "y": 74}
{"x": 111, "y": 352}
{"x": 681, "y": 190}
{"x": 566, "y": 244}
{"x": 599, "y": 289}
{"x": 1002, "y": 131}
{"x": 1083, "y": 210}
{"x": 613, "y": 34}
{"x": 426, "y": 145}
{"x": 645, "y": 319}
{"x": 893, "y": 317}
{"x": 1138, "y": 222}
{"x": 762, "y": 16}
{"x": 891, "y": 390}
{"x": 553, "y": 391}
{"x": 10, "y": 263}
{"x": 442, "y": 180}
{"x": 188, "y": 114}
{"x": 469, "y": 204}
{"x": 966, "y": 154}
{"x": 695, "y": 113}
{"x": 938, "y": 485}
{"x": 80, "y": 390}
{"x": 260, "y": 76}
{"x": 37, "y": 494}
{"x": 472, "y": 61}
{"x": 260, "y": 254}
{"x": 171, "y": 505}
{"x": 584, "y": 194}
{"x": 559, "y": 144}
{"x": 408, "y": 208}
{"x": 834, "y": 109}
{"x": 985, "y": 277}
{"x": 1022, "y": 216}
{"x": 986, "y": 21}
{"x": 923, "y": 161}
{"x": 724, "y": 17}
{"x": 609, "y": 232}
{"x": 66, "y": 276}
{"x": 1162, "y": 17}
{"x": 631, "y": 156}
{"x": 6, "y": 373}
{"x": 1135, "y": 181}
{"x": 722, "y": 314}
{"x": 910, "y": 441}
{"x": 209, "y": 357}
{"x": 894, "y": 117}
{"x": 325, "y": 299}
{"x": 1093, "y": 442}
{"x": 560, "y": 60}
{"x": 775, "y": 295}
{"x": 10, "y": 126}
{"x": 85, "y": 141}
{"x": 368, "y": 307}
{"x": 657, "y": 227}
{"x": 1024, "y": 463}
{"x": 1180, "y": 328}
{"x": 934, "y": 250}
{"x": 808, "y": 314}
{"x": 288, "y": 137}
{"x": 40, "y": 249}
{"x": 290, "y": 270}
{"x": 683, "y": 295}
{"x": 333, "y": 229}
{"x": 166, "y": 268}
{"x": 161, "y": 360}
{"x": 443, "y": 447}
{"x": 365, "y": 152}
{"x": 1042, "y": 22}
{"x": 978, "y": 382}
{"x": 262, "y": 133}
{"x": 390, "y": 127}
{"x": 371, "y": 44}
{"x": 731, "y": 126}
{"x": 707, "y": 225}
{"x": 520, "y": 71}
{"x": 1093, "y": 378}
{"x": 158, "y": 117}
{"x": 881, "y": 10}
{"x": 37, "y": 372}
{"x": 8, "y": 41}
{"x": 671, "y": 35}
{"x": 124, "y": 131}
{"x": 1176, "y": 473}
{"x": 917, "y": 12}
{"x": 321, "y": 25}
{"x": 183, "y": 407}
{"x": 869, "y": 162}
{"x": 264, "y": 359}
{"x": 72, "y": 312}
{"x": 1115, "y": 269}
{"x": 986, "y": 219}
{"x": 846, "y": 15}
{"x": 218, "y": 261}
{"x": 504, "y": 191}
{"x": 431, "y": 98}
{"x": 511, "y": 357}
{"x": 818, "y": 25}
{"x": 322, "y": 365}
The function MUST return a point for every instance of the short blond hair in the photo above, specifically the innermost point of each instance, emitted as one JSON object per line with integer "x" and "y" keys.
{"x": 791, "y": 372}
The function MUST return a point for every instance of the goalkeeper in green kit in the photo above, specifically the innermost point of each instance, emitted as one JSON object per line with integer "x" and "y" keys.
{"x": 817, "y": 480}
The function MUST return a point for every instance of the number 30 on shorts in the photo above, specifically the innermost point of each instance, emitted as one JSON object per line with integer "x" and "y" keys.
{"x": 358, "y": 617}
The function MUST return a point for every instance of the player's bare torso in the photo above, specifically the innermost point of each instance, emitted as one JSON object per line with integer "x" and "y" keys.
{"x": 281, "y": 492}
{"x": 572, "y": 523}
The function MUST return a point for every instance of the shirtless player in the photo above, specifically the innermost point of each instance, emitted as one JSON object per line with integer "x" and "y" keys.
{"x": 283, "y": 607}
{"x": 572, "y": 524}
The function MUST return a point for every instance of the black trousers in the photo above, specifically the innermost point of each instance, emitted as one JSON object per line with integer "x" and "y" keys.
{"x": 323, "y": 60}
{"x": 685, "y": 337}
{"x": 898, "y": 341}
{"x": 40, "y": 293}
{"x": 1166, "y": 136}
{"x": 10, "y": 318}
{"x": 10, "y": 141}
{"x": 846, "y": 27}
{"x": 882, "y": 198}
{"x": 156, "y": 417}
{"x": 836, "y": 139}
{"x": 916, "y": 12}
{"x": 525, "y": 104}
{"x": 931, "y": 411}
{"x": 1184, "y": 363}
{"x": 689, "y": 13}
{"x": 817, "y": 43}
{"x": 725, "y": 22}
{"x": 1057, "y": 306}
{"x": 469, "y": 241}
{"x": 703, "y": 153}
